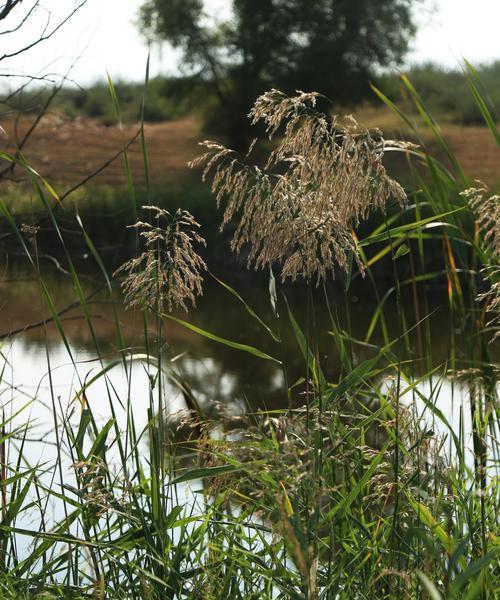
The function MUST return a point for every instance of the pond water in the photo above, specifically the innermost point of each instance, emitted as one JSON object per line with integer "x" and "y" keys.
{"x": 222, "y": 379}
{"x": 42, "y": 372}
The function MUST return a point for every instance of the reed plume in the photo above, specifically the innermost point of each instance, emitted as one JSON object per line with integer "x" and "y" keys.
{"x": 168, "y": 273}
{"x": 486, "y": 209}
{"x": 324, "y": 176}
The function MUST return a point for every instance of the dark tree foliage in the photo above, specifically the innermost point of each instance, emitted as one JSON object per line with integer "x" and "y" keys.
{"x": 331, "y": 46}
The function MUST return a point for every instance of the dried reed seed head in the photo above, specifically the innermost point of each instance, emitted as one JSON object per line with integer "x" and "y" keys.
{"x": 274, "y": 107}
{"x": 29, "y": 229}
{"x": 168, "y": 273}
{"x": 492, "y": 301}
{"x": 286, "y": 447}
{"x": 91, "y": 475}
{"x": 486, "y": 209}
{"x": 298, "y": 211}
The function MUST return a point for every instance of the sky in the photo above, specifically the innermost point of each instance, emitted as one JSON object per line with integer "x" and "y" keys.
{"x": 103, "y": 37}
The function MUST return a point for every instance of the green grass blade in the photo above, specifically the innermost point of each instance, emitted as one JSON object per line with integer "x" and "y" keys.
{"x": 215, "y": 338}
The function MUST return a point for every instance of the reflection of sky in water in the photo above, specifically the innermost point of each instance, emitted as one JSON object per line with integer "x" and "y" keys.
{"x": 26, "y": 383}
{"x": 26, "y": 380}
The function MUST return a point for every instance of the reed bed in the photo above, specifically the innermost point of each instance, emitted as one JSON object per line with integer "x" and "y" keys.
{"x": 360, "y": 486}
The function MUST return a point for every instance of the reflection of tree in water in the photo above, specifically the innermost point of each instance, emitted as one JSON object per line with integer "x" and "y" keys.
{"x": 225, "y": 388}
{"x": 222, "y": 377}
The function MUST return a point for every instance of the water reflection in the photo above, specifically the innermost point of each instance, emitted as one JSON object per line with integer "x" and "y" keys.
{"x": 40, "y": 375}
{"x": 221, "y": 380}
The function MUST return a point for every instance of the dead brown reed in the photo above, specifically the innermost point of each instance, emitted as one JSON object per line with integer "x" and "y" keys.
{"x": 168, "y": 273}
{"x": 323, "y": 177}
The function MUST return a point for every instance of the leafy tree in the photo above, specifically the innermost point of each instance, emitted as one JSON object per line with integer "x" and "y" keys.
{"x": 331, "y": 46}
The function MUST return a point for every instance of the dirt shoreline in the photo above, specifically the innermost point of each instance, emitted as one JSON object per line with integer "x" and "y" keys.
{"x": 65, "y": 151}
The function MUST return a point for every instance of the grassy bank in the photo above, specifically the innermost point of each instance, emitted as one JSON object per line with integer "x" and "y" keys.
{"x": 359, "y": 485}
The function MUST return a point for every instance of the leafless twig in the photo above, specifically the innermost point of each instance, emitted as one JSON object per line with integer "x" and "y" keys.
{"x": 42, "y": 322}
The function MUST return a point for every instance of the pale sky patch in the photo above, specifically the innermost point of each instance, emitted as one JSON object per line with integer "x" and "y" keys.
{"x": 104, "y": 37}
{"x": 451, "y": 30}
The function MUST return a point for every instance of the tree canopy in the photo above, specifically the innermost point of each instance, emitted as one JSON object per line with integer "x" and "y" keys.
{"x": 330, "y": 46}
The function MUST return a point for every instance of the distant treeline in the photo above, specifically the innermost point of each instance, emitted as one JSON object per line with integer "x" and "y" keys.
{"x": 443, "y": 90}
{"x": 166, "y": 99}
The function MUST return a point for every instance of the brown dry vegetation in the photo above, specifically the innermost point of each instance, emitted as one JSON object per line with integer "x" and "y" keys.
{"x": 65, "y": 151}
{"x": 474, "y": 146}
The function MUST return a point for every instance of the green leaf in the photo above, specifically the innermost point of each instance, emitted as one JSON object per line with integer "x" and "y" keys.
{"x": 359, "y": 486}
{"x": 402, "y": 251}
{"x": 205, "y": 472}
{"x": 85, "y": 421}
{"x": 248, "y": 308}
{"x": 307, "y": 353}
{"x": 472, "y": 80}
{"x": 355, "y": 377}
{"x": 473, "y": 569}
{"x": 98, "y": 446}
{"x": 215, "y": 338}
{"x": 429, "y": 586}
{"x": 396, "y": 232}
{"x": 427, "y": 518}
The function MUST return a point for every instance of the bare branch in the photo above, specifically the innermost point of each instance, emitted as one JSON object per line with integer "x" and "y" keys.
{"x": 23, "y": 20}
{"x": 41, "y": 323}
{"x": 82, "y": 182}
{"x": 100, "y": 169}
{"x": 8, "y": 7}
{"x": 46, "y": 33}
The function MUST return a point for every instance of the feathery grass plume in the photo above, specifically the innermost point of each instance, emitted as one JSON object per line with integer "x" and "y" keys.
{"x": 323, "y": 177}
{"x": 281, "y": 453}
{"x": 168, "y": 273}
{"x": 486, "y": 209}
{"x": 487, "y": 212}
{"x": 91, "y": 475}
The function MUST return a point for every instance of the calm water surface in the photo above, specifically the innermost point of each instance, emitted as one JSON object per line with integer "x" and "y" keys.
{"x": 41, "y": 373}
{"x": 39, "y": 365}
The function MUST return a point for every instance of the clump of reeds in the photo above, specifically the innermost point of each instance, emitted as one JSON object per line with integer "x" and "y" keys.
{"x": 323, "y": 177}
{"x": 168, "y": 273}
{"x": 325, "y": 509}
{"x": 286, "y": 447}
